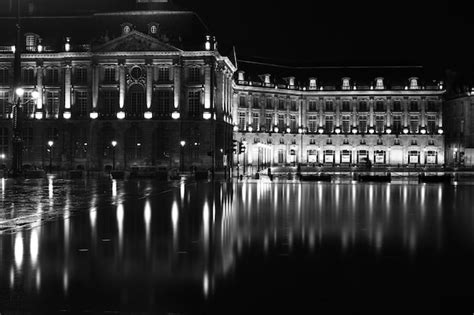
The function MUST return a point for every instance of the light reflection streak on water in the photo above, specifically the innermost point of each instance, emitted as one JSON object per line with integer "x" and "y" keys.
{"x": 174, "y": 221}
{"x": 34, "y": 247}
{"x": 120, "y": 226}
{"x": 147, "y": 219}
{"x": 114, "y": 188}
{"x": 182, "y": 190}
{"x": 12, "y": 278}
{"x": 50, "y": 188}
{"x": 3, "y": 188}
{"x": 205, "y": 283}
{"x": 93, "y": 218}
{"x": 19, "y": 250}
{"x": 205, "y": 225}
{"x": 65, "y": 280}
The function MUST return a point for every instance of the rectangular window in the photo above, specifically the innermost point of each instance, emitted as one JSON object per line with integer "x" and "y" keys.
{"x": 281, "y": 122}
{"x": 397, "y": 106}
{"x": 346, "y": 124}
{"x": 379, "y": 123}
{"x": 242, "y": 101}
{"x": 431, "y": 124}
{"x": 346, "y": 106}
{"x": 329, "y": 106}
{"x": 281, "y": 104}
{"x": 431, "y": 107}
{"x": 312, "y": 106}
{"x": 28, "y": 76}
{"x": 329, "y": 124}
{"x": 414, "y": 122}
{"x": 363, "y": 106}
{"x": 194, "y": 102}
{"x": 163, "y": 101}
{"x": 109, "y": 102}
{"x": 109, "y": 75}
{"x": 293, "y": 106}
{"x": 255, "y": 121}
{"x": 52, "y": 104}
{"x": 163, "y": 74}
{"x": 255, "y": 102}
{"x": 397, "y": 124}
{"x": 194, "y": 75}
{"x": 4, "y": 105}
{"x": 52, "y": 76}
{"x": 80, "y": 76}
{"x": 293, "y": 123}
{"x": 269, "y": 104}
{"x": 413, "y": 106}
{"x": 28, "y": 105}
{"x": 82, "y": 104}
{"x": 363, "y": 124}
{"x": 4, "y": 76}
{"x": 241, "y": 121}
{"x": 379, "y": 106}
{"x": 312, "y": 123}
{"x": 268, "y": 121}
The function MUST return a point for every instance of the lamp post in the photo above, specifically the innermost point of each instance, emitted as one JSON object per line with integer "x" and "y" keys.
{"x": 182, "y": 143}
{"x": 114, "y": 144}
{"x": 50, "y": 145}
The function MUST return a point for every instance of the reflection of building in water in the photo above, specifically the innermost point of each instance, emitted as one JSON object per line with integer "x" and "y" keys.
{"x": 386, "y": 115}
{"x": 195, "y": 235}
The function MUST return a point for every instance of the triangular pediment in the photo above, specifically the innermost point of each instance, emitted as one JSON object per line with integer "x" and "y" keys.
{"x": 135, "y": 41}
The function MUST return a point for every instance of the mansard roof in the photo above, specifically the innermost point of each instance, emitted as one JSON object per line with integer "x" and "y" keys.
{"x": 394, "y": 77}
{"x": 181, "y": 29}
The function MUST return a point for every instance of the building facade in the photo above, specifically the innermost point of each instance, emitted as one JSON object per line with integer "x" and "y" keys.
{"x": 339, "y": 124}
{"x": 119, "y": 90}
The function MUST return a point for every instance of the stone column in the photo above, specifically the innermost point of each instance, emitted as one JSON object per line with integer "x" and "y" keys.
{"x": 122, "y": 84}
{"x": 95, "y": 86}
{"x": 149, "y": 86}
{"x": 207, "y": 87}
{"x": 177, "y": 86}
{"x": 39, "y": 86}
{"x": 67, "y": 87}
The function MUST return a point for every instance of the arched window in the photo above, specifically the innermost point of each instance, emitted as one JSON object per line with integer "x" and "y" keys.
{"x": 136, "y": 101}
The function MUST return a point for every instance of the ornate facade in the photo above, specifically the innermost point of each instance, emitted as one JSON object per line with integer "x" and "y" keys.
{"x": 338, "y": 124}
{"x": 139, "y": 80}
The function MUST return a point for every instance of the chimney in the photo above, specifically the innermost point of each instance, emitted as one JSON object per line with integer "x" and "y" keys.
{"x": 241, "y": 75}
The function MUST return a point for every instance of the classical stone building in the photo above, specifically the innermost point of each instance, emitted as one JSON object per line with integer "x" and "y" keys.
{"x": 151, "y": 82}
{"x": 339, "y": 116}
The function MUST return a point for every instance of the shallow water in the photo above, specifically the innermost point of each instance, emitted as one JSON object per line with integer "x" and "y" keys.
{"x": 240, "y": 247}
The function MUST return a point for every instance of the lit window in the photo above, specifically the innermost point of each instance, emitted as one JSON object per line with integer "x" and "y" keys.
{"x": 413, "y": 83}
{"x": 379, "y": 84}
{"x": 31, "y": 41}
{"x": 153, "y": 29}
{"x": 194, "y": 102}
{"x": 346, "y": 84}
{"x": 163, "y": 74}
{"x": 82, "y": 104}
{"x": 109, "y": 75}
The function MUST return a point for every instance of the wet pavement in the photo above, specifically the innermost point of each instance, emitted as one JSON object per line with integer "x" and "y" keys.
{"x": 106, "y": 246}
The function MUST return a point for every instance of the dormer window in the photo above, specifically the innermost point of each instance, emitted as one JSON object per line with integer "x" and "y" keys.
{"x": 346, "y": 84}
{"x": 153, "y": 29}
{"x": 266, "y": 78}
{"x": 31, "y": 41}
{"x": 379, "y": 84}
{"x": 312, "y": 83}
{"x": 241, "y": 75}
{"x": 126, "y": 28}
{"x": 291, "y": 81}
{"x": 413, "y": 83}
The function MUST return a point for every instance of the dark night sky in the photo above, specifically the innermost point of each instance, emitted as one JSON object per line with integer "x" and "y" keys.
{"x": 329, "y": 33}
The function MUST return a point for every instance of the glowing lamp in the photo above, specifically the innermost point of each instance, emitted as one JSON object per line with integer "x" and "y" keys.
{"x": 206, "y": 115}
{"x": 50, "y": 143}
{"x": 405, "y": 130}
{"x": 423, "y": 131}
{"x": 39, "y": 115}
{"x": 35, "y": 95}
{"x": 236, "y": 128}
{"x": 207, "y": 44}
{"x": 250, "y": 128}
{"x": 67, "y": 115}
{"x": 13, "y": 48}
{"x": 337, "y": 130}
{"x": 275, "y": 129}
{"x": 20, "y": 92}
{"x": 40, "y": 48}
{"x": 320, "y": 130}
{"x": 388, "y": 130}
{"x": 67, "y": 45}
{"x": 114, "y": 143}
{"x": 300, "y": 130}
{"x": 288, "y": 130}
{"x": 182, "y": 143}
{"x": 440, "y": 131}
{"x": 354, "y": 130}
{"x": 94, "y": 115}
{"x": 121, "y": 115}
{"x": 371, "y": 130}
{"x": 175, "y": 115}
{"x": 148, "y": 115}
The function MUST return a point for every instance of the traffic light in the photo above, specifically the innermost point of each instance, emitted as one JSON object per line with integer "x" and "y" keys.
{"x": 235, "y": 146}
{"x": 242, "y": 148}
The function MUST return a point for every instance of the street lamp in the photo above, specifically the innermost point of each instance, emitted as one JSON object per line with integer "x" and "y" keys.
{"x": 114, "y": 144}
{"x": 50, "y": 145}
{"x": 182, "y": 143}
